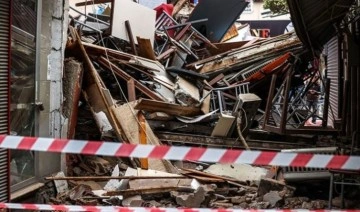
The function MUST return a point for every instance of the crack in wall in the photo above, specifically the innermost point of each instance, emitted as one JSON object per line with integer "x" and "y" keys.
{"x": 56, "y": 58}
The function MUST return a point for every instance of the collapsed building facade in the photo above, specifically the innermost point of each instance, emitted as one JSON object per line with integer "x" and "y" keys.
{"x": 103, "y": 77}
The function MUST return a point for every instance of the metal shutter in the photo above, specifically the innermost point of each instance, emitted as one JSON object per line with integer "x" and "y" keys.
{"x": 333, "y": 74}
{"x": 4, "y": 94}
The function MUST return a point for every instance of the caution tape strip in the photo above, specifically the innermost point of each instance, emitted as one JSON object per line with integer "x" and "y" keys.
{"x": 42, "y": 207}
{"x": 213, "y": 155}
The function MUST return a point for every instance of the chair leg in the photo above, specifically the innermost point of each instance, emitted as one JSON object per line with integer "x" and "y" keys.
{"x": 342, "y": 192}
{"x": 331, "y": 190}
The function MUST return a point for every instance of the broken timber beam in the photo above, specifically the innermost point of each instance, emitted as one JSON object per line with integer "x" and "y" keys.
{"x": 96, "y": 50}
{"x": 144, "y": 163}
{"x": 110, "y": 66}
{"x": 71, "y": 90}
{"x": 104, "y": 178}
{"x": 145, "y": 48}
{"x": 93, "y": 86}
{"x": 131, "y": 37}
{"x": 169, "y": 108}
{"x": 230, "y": 180}
{"x": 132, "y": 192}
{"x": 131, "y": 90}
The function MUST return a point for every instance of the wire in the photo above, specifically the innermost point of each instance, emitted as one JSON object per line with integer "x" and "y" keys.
{"x": 246, "y": 122}
{"x": 117, "y": 81}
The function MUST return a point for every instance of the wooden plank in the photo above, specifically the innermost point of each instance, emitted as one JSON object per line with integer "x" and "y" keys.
{"x": 231, "y": 33}
{"x": 251, "y": 42}
{"x": 132, "y": 192}
{"x": 105, "y": 178}
{"x": 144, "y": 163}
{"x": 145, "y": 48}
{"x": 135, "y": 60}
{"x": 93, "y": 86}
{"x": 228, "y": 179}
{"x": 73, "y": 72}
{"x": 216, "y": 79}
{"x": 182, "y": 32}
{"x": 169, "y": 108}
{"x": 224, "y": 47}
{"x": 166, "y": 53}
{"x": 131, "y": 37}
{"x": 126, "y": 116}
{"x": 132, "y": 66}
{"x": 131, "y": 90}
{"x": 240, "y": 57}
{"x": 153, "y": 183}
{"x": 203, "y": 178}
{"x": 205, "y": 106}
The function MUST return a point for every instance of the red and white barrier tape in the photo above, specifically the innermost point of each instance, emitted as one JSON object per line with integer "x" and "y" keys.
{"x": 344, "y": 162}
{"x": 41, "y": 207}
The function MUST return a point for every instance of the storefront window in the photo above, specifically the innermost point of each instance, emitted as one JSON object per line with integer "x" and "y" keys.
{"x": 22, "y": 88}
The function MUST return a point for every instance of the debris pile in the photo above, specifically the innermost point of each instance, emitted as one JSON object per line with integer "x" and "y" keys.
{"x": 191, "y": 189}
{"x": 169, "y": 76}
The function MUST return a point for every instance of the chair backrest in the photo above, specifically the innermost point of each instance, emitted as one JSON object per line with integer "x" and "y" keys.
{"x": 218, "y": 96}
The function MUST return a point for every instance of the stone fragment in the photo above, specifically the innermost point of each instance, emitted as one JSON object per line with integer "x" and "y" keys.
{"x": 221, "y": 205}
{"x": 241, "y": 192}
{"x": 210, "y": 188}
{"x": 238, "y": 199}
{"x": 252, "y": 196}
{"x": 266, "y": 185}
{"x": 295, "y": 202}
{"x": 137, "y": 203}
{"x": 190, "y": 200}
{"x": 320, "y": 204}
{"x": 152, "y": 204}
{"x": 244, "y": 205}
{"x": 259, "y": 205}
{"x": 127, "y": 201}
{"x": 306, "y": 205}
{"x": 241, "y": 172}
{"x": 273, "y": 198}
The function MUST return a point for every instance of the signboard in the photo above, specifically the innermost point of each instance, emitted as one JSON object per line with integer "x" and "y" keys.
{"x": 249, "y": 7}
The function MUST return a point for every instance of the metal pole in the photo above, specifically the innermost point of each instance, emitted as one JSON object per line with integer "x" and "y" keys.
{"x": 269, "y": 103}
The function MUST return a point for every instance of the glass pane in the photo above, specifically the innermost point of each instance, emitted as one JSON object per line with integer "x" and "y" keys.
{"x": 22, "y": 88}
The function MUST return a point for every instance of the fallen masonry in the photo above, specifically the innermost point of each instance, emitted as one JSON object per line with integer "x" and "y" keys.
{"x": 162, "y": 81}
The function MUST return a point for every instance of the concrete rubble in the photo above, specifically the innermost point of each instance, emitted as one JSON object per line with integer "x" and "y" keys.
{"x": 180, "y": 87}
